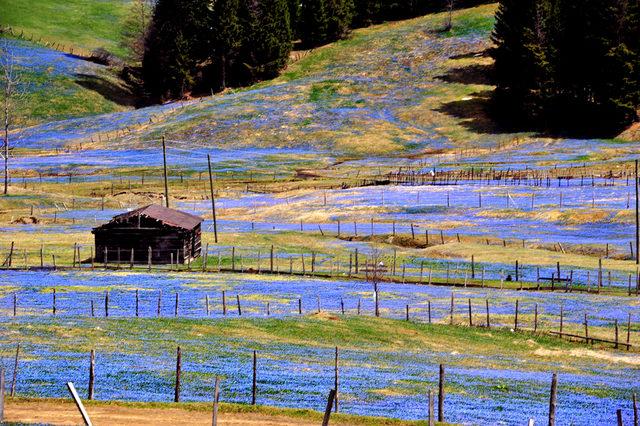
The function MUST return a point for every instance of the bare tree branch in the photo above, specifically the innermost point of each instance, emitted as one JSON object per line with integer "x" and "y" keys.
{"x": 9, "y": 81}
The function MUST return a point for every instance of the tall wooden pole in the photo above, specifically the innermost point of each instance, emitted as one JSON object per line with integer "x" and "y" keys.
{"x": 254, "y": 385}
{"x": 637, "y": 218}
{"x": 166, "y": 184}
{"x": 213, "y": 202}
{"x": 553, "y": 399}
{"x": 441, "y": 394}
{"x": 92, "y": 374}
{"x": 216, "y": 395}
{"x": 176, "y": 395}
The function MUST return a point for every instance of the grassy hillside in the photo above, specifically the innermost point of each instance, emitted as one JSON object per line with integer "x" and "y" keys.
{"x": 86, "y": 24}
{"x": 57, "y": 86}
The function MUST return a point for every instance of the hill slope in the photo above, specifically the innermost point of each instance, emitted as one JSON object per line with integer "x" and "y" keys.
{"x": 85, "y": 24}
{"x": 377, "y": 93}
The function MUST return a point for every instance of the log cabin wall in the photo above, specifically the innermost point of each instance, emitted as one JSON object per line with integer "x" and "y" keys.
{"x": 141, "y": 232}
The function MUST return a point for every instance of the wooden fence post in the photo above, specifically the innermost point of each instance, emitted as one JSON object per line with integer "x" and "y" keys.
{"x": 216, "y": 395}
{"x": 586, "y": 328}
{"x": 432, "y": 420}
{"x": 327, "y": 410}
{"x": 78, "y": 402}
{"x": 628, "y": 331}
{"x": 553, "y": 399}
{"x": 92, "y": 366}
{"x": 441, "y": 394}
{"x": 473, "y": 267}
{"x": 356, "y": 261}
{"x": 486, "y": 301}
{"x": 239, "y": 307}
{"x": 535, "y": 319}
{"x": 176, "y": 397}
{"x": 635, "y": 410}
{"x": 470, "y": 314}
{"x": 54, "y": 302}
{"x": 451, "y": 311}
{"x": 106, "y": 303}
{"x": 159, "y": 303}
{"x": 271, "y": 259}
{"x": 254, "y": 386}
{"x": 15, "y": 372}
{"x": 515, "y": 321}
{"x": 224, "y": 303}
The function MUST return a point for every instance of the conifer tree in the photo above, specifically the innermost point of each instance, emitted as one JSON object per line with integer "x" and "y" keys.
{"x": 225, "y": 38}
{"x": 266, "y": 39}
{"x": 367, "y": 12}
{"x": 174, "y": 46}
{"x": 567, "y": 65}
{"x": 313, "y": 22}
{"x": 294, "y": 18}
{"x": 339, "y": 18}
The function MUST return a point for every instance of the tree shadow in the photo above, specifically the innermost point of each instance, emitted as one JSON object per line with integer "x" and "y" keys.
{"x": 118, "y": 94}
{"x": 476, "y": 113}
{"x": 471, "y": 74}
{"x": 480, "y": 113}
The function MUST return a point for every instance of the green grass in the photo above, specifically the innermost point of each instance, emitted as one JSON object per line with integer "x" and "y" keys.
{"x": 317, "y": 330}
{"x": 468, "y": 22}
{"x": 62, "y": 97}
{"x": 87, "y": 24}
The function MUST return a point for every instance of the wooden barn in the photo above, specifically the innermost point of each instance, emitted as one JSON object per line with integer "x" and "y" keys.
{"x": 171, "y": 235}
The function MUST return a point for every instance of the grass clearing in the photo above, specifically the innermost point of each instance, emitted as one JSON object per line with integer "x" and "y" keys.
{"x": 86, "y": 24}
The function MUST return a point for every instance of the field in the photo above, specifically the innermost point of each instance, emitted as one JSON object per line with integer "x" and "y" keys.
{"x": 504, "y": 256}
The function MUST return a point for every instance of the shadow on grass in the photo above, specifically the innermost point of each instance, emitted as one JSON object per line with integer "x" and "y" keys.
{"x": 108, "y": 90}
{"x": 480, "y": 113}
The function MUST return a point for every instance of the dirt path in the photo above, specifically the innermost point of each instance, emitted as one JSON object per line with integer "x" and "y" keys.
{"x": 63, "y": 413}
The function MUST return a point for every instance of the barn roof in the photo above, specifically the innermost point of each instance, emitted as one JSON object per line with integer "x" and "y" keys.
{"x": 167, "y": 216}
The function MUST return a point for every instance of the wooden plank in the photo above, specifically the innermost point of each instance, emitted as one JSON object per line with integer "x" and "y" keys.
{"x": 76, "y": 399}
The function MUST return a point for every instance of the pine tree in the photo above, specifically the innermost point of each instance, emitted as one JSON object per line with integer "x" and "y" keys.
{"x": 225, "y": 38}
{"x": 515, "y": 54}
{"x": 174, "y": 46}
{"x": 339, "y": 18}
{"x": 567, "y": 64}
{"x": 266, "y": 39}
{"x": 313, "y": 22}
{"x": 273, "y": 39}
{"x": 367, "y": 12}
{"x": 294, "y": 18}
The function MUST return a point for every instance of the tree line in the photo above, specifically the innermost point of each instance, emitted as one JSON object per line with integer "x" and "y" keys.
{"x": 568, "y": 64}
{"x": 202, "y": 46}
